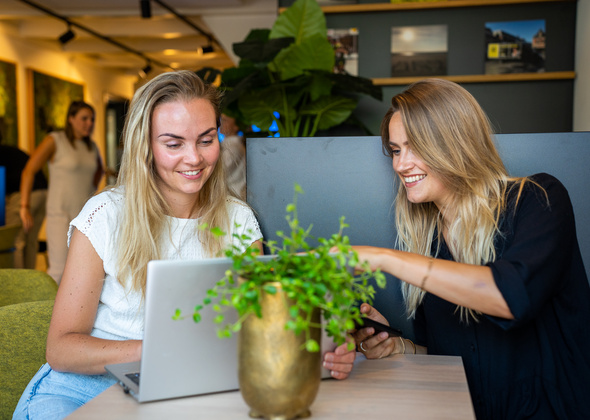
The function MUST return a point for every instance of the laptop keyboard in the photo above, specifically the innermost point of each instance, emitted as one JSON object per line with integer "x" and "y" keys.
{"x": 134, "y": 377}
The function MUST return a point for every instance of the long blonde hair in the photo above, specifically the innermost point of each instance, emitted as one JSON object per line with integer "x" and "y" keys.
{"x": 143, "y": 223}
{"x": 447, "y": 129}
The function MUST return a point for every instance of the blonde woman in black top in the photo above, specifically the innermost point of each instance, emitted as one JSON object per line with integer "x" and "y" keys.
{"x": 490, "y": 265}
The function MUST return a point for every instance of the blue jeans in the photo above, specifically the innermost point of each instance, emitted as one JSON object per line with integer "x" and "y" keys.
{"x": 54, "y": 395}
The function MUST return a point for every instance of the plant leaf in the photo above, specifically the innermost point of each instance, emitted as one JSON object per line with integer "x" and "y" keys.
{"x": 233, "y": 76}
{"x": 313, "y": 53}
{"x": 258, "y": 35}
{"x": 332, "y": 110}
{"x": 259, "y": 51}
{"x": 312, "y": 346}
{"x": 177, "y": 315}
{"x": 258, "y": 107}
{"x": 302, "y": 19}
{"x": 320, "y": 85}
{"x": 348, "y": 83}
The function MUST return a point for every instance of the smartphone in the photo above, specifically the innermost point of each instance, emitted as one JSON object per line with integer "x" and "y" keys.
{"x": 378, "y": 327}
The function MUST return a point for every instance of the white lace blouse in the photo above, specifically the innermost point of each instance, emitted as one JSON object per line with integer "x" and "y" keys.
{"x": 120, "y": 310}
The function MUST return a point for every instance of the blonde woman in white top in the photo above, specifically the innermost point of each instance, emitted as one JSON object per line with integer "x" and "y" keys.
{"x": 168, "y": 186}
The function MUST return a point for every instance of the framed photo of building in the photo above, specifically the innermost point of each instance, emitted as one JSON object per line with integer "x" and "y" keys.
{"x": 51, "y": 98}
{"x": 515, "y": 47}
{"x": 8, "y": 108}
{"x": 419, "y": 50}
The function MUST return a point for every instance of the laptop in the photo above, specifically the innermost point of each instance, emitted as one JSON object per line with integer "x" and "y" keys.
{"x": 180, "y": 357}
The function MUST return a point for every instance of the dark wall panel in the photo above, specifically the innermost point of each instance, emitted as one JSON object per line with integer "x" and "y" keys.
{"x": 513, "y": 107}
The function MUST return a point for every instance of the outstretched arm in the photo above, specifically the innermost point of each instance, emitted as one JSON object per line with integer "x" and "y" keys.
{"x": 42, "y": 154}
{"x": 467, "y": 285}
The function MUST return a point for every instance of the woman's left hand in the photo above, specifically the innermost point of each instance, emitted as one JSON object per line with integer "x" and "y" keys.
{"x": 340, "y": 361}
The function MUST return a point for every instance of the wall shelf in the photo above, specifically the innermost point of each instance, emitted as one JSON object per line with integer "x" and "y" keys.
{"x": 441, "y": 4}
{"x": 480, "y": 78}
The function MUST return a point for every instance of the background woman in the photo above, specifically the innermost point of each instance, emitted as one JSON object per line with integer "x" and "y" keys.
{"x": 490, "y": 264}
{"x": 169, "y": 185}
{"x": 75, "y": 170}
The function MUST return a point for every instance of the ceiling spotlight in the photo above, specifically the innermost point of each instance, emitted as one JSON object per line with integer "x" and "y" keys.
{"x": 146, "y": 9}
{"x": 67, "y": 36}
{"x": 144, "y": 71}
{"x": 207, "y": 49}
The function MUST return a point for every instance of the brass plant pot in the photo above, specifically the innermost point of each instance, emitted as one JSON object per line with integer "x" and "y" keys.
{"x": 279, "y": 379}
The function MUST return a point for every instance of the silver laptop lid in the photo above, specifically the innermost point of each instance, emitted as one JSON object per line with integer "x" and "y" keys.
{"x": 181, "y": 357}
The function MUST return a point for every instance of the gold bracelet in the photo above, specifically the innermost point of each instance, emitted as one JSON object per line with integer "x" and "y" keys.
{"x": 413, "y": 345}
{"x": 430, "y": 262}
{"x": 403, "y": 345}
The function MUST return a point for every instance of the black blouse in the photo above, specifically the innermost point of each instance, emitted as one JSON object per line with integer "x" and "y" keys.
{"x": 538, "y": 364}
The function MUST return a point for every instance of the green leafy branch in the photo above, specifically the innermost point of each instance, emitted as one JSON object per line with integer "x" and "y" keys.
{"x": 328, "y": 277}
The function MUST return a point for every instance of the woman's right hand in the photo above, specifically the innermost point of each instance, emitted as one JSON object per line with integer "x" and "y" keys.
{"x": 374, "y": 346}
{"x": 26, "y": 218}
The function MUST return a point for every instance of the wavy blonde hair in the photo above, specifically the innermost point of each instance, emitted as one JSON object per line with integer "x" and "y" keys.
{"x": 448, "y": 130}
{"x": 143, "y": 222}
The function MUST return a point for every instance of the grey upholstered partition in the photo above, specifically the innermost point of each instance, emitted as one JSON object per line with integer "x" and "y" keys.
{"x": 350, "y": 176}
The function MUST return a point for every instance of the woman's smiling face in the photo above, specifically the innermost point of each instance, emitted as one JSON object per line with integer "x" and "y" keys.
{"x": 185, "y": 147}
{"x": 82, "y": 123}
{"x": 421, "y": 185}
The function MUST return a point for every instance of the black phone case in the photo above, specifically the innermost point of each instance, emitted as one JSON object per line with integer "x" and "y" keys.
{"x": 368, "y": 322}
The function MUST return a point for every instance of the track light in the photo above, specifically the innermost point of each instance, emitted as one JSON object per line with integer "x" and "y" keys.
{"x": 146, "y": 9}
{"x": 207, "y": 49}
{"x": 67, "y": 36}
{"x": 144, "y": 71}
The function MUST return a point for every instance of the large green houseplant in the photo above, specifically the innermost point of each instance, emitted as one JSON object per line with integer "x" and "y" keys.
{"x": 285, "y": 77}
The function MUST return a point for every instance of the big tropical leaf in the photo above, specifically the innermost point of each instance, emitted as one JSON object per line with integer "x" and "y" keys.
{"x": 301, "y": 20}
{"x": 331, "y": 110}
{"x": 314, "y": 53}
{"x": 258, "y": 35}
{"x": 240, "y": 81}
{"x": 319, "y": 84}
{"x": 234, "y": 75}
{"x": 259, "y": 51}
{"x": 258, "y": 107}
{"x": 347, "y": 83}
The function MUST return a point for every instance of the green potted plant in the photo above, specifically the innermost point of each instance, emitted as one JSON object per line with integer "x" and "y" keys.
{"x": 285, "y": 78}
{"x": 279, "y": 302}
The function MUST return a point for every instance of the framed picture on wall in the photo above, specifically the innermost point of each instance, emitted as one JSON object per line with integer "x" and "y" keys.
{"x": 419, "y": 50}
{"x": 515, "y": 46}
{"x": 51, "y": 97}
{"x": 8, "y": 110}
{"x": 346, "y": 51}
